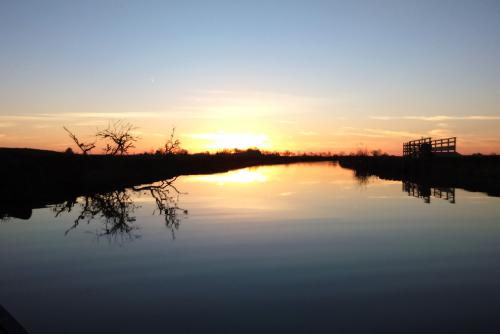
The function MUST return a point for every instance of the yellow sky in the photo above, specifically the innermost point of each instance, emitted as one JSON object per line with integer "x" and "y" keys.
{"x": 213, "y": 120}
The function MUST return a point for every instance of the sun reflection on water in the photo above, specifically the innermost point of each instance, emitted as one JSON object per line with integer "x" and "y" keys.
{"x": 246, "y": 175}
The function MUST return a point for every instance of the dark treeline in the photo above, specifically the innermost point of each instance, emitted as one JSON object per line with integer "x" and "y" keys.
{"x": 473, "y": 173}
{"x": 35, "y": 178}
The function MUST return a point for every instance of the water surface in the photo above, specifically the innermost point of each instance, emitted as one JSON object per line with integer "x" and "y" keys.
{"x": 292, "y": 248}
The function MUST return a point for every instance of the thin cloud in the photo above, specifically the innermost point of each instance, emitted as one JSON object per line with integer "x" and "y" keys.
{"x": 91, "y": 123}
{"x": 376, "y": 133}
{"x": 42, "y": 126}
{"x": 6, "y": 124}
{"x": 28, "y": 117}
{"x": 106, "y": 115}
{"x": 235, "y": 104}
{"x": 438, "y": 118}
{"x": 441, "y": 132}
{"x": 6, "y": 119}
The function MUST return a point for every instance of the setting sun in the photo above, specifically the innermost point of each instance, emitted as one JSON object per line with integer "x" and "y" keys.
{"x": 222, "y": 140}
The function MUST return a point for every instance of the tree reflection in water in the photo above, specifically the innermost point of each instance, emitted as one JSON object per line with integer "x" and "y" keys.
{"x": 166, "y": 196}
{"x": 362, "y": 178}
{"x": 116, "y": 210}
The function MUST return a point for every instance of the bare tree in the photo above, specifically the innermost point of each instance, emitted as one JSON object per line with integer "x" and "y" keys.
{"x": 173, "y": 145}
{"x": 85, "y": 147}
{"x": 120, "y": 136}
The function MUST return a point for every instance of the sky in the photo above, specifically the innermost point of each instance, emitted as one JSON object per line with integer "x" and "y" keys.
{"x": 303, "y": 76}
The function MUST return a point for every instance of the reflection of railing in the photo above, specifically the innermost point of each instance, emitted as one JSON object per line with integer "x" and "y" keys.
{"x": 425, "y": 192}
{"x": 417, "y": 190}
{"x": 447, "y": 194}
{"x": 426, "y": 146}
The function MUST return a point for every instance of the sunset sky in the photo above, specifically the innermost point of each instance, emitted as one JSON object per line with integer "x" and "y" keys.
{"x": 281, "y": 75}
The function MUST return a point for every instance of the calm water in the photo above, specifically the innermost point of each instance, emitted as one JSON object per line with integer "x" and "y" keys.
{"x": 299, "y": 248}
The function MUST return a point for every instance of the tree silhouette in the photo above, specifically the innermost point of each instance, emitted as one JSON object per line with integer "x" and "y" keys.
{"x": 120, "y": 138}
{"x": 173, "y": 145}
{"x": 85, "y": 147}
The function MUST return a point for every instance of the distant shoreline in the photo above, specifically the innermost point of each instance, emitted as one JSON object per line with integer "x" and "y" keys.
{"x": 32, "y": 178}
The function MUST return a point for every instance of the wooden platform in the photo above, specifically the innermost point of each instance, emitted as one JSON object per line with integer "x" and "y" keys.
{"x": 427, "y": 146}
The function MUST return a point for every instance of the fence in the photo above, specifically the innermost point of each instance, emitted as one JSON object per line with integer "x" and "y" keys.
{"x": 427, "y": 146}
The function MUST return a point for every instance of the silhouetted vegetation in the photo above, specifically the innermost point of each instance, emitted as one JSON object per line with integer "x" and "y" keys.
{"x": 119, "y": 139}
{"x": 119, "y": 136}
{"x": 173, "y": 144}
{"x": 84, "y": 147}
{"x": 35, "y": 178}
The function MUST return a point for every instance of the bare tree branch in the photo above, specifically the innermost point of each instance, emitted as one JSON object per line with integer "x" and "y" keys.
{"x": 85, "y": 147}
{"x": 120, "y": 136}
{"x": 173, "y": 145}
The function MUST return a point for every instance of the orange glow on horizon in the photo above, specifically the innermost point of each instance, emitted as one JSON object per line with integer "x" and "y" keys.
{"x": 267, "y": 133}
{"x": 222, "y": 140}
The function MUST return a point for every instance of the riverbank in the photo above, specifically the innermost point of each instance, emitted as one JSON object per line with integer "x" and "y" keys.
{"x": 35, "y": 178}
{"x": 472, "y": 173}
